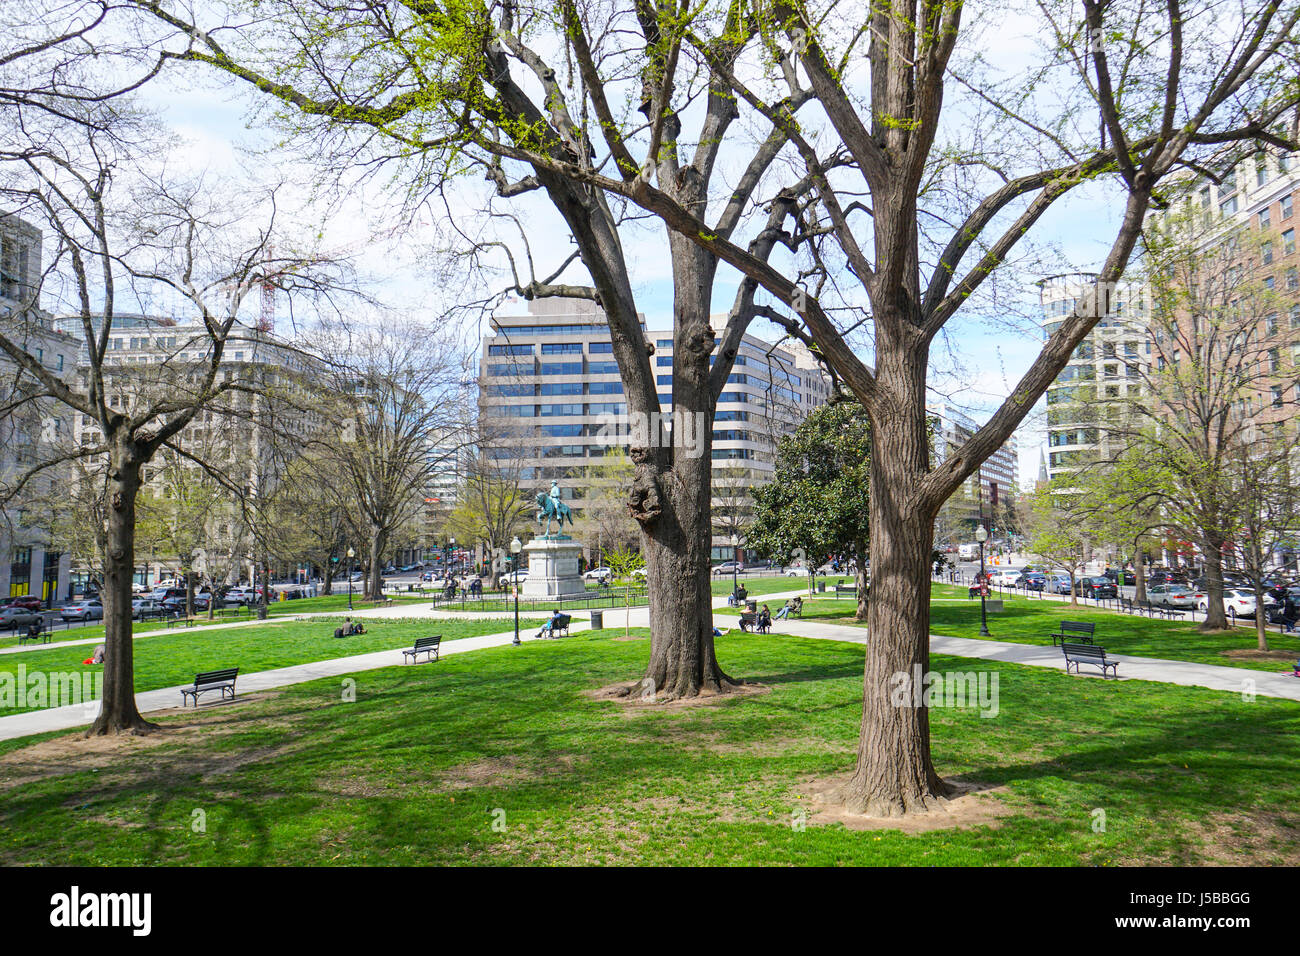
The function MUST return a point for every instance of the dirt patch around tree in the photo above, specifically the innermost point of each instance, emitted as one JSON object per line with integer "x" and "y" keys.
{"x": 73, "y": 753}
{"x": 633, "y": 696}
{"x": 1255, "y": 654}
{"x": 970, "y": 805}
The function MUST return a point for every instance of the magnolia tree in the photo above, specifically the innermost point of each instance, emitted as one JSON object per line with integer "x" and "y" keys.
{"x": 916, "y": 176}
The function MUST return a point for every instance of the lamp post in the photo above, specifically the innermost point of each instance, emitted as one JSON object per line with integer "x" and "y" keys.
{"x": 351, "y": 554}
{"x": 515, "y": 547}
{"x": 982, "y": 535}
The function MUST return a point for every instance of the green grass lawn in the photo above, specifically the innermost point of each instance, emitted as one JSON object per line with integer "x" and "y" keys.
{"x": 419, "y": 768}
{"x": 1030, "y": 621}
{"x": 770, "y": 585}
{"x": 172, "y": 658}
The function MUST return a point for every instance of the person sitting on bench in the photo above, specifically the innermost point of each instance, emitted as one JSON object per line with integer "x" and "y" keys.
{"x": 549, "y": 625}
{"x": 794, "y": 604}
{"x": 764, "y": 619}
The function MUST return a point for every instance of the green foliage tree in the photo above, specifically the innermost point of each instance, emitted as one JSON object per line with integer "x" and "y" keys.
{"x": 1055, "y": 534}
{"x": 818, "y": 501}
{"x": 624, "y": 562}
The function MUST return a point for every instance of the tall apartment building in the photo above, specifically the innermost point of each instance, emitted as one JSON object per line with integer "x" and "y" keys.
{"x": 995, "y": 484}
{"x": 1086, "y": 399}
{"x": 551, "y": 395}
{"x": 32, "y": 559}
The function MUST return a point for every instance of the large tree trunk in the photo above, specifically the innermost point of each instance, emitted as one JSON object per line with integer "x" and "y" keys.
{"x": 894, "y": 773}
{"x": 117, "y": 712}
{"x": 672, "y": 499}
{"x": 1215, "y": 618}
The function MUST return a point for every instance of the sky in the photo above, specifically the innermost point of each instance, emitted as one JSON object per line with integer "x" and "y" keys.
{"x": 975, "y": 365}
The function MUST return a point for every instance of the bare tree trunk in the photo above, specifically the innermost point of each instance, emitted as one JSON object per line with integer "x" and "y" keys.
{"x": 117, "y": 712}
{"x": 375, "y": 580}
{"x": 1140, "y": 579}
{"x": 1215, "y": 618}
{"x": 894, "y": 773}
{"x": 1074, "y": 590}
{"x": 1261, "y": 618}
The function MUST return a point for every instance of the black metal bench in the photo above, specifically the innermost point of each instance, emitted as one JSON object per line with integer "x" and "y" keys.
{"x": 424, "y": 645}
{"x": 223, "y": 681}
{"x": 1081, "y": 632}
{"x": 1077, "y": 654}
{"x": 749, "y": 619}
{"x": 846, "y": 589}
{"x": 41, "y": 635}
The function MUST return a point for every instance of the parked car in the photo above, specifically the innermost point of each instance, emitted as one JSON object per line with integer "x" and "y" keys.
{"x": 1237, "y": 601}
{"x": 1032, "y": 581}
{"x": 1005, "y": 577}
{"x": 14, "y": 615}
{"x": 91, "y": 610}
{"x": 1101, "y": 587}
{"x": 1172, "y": 595}
{"x": 1058, "y": 584}
{"x": 144, "y": 607}
{"x": 515, "y": 577}
{"x": 729, "y": 567}
{"x": 599, "y": 575}
{"x": 28, "y": 601}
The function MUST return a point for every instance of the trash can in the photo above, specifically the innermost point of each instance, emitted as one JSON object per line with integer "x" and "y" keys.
{"x": 821, "y": 586}
{"x": 597, "y": 620}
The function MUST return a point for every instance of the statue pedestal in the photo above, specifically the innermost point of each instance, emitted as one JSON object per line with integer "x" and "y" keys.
{"x": 553, "y": 569}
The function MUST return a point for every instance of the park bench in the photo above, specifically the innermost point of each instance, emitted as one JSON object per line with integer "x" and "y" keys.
{"x": 223, "y": 680}
{"x": 1077, "y": 654}
{"x": 424, "y": 645}
{"x": 561, "y": 624}
{"x": 749, "y": 620}
{"x": 42, "y": 634}
{"x": 178, "y": 620}
{"x": 845, "y": 589}
{"x": 1078, "y": 631}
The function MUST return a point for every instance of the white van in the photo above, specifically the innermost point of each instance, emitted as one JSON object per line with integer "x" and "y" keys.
{"x": 968, "y": 552}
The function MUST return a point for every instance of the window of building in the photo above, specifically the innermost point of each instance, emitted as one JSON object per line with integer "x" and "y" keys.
{"x": 510, "y": 391}
{"x": 663, "y": 379}
{"x": 600, "y": 348}
{"x": 562, "y": 388}
{"x": 562, "y": 431}
{"x": 561, "y": 348}
{"x": 1292, "y": 279}
{"x": 565, "y": 409}
{"x": 1264, "y": 221}
{"x": 510, "y": 350}
{"x": 607, "y": 408}
{"x": 602, "y": 368}
{"x": 1270, "y": 323}
{"x": 1266, "y": 252}
{"x": 605, "y": 388}
{"x": 1288, "y": 242}
{"x": 561, "y": 368}
{"x": 1285, "y": 207}
{"x": 1228, "y": 207}
{"x": 664, "y": 360}
{"x": 513, "y": 368}
{"x": 1261, "y": 169}
{"x": 1277, "y": 396}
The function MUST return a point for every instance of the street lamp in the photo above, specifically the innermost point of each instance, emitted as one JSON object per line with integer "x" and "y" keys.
{"x": 515, "y": 547}
{"x": 350, "y": 556}
{"x": 982, "y": 535}
{"x": 735, "y": 586}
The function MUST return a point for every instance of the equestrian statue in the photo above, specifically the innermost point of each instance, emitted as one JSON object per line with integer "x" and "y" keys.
{"x": 552, "y": 509}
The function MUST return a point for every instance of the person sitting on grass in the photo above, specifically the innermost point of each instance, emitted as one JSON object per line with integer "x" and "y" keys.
{"x": 550, "y": 625}
{"x": 350, "y": 628}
